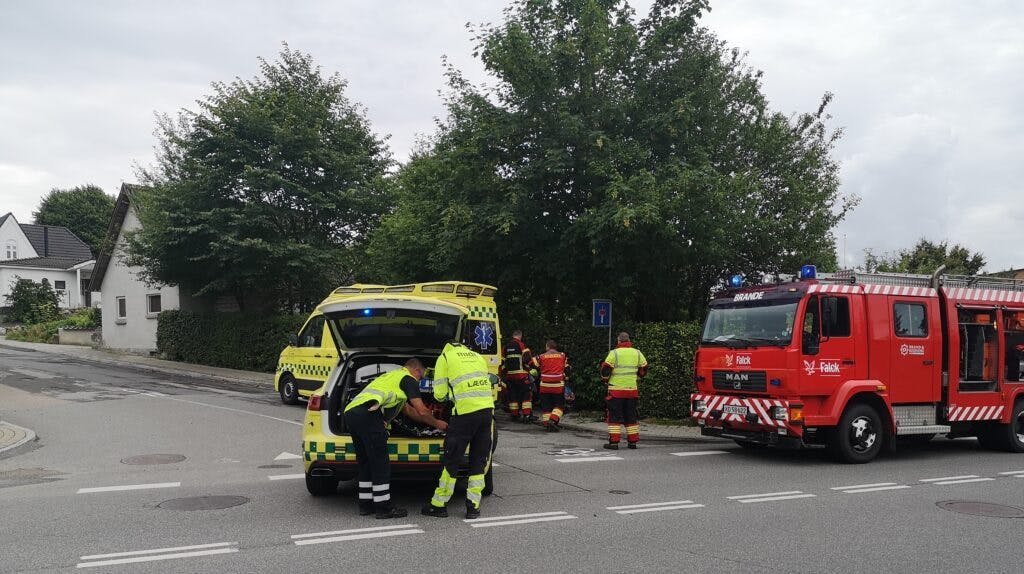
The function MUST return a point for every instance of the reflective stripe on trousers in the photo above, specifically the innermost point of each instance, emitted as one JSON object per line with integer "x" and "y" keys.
{"x": 444, "y": 491}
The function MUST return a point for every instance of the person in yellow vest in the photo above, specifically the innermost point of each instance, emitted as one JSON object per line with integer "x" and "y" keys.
{"x": 553, "y": 367}
{"x": 460, "y": 375}
{"x": 620, "y": 370}
{"x": 367, "y": 417}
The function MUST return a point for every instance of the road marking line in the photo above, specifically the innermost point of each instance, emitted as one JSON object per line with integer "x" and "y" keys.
{"x": 588, "y": 458}
{"x": 495, "y": 464}
{"x": 699, "y": 452}
{"x": 156, "y": 551}
{"x": 287, "y": 456}
{"x": 514, "y": 516}
{"x": 523, "y": 521}
{"x": 1011, "y": 472}
{"x": 286, "y": 476}
{"x": 660, "y": 508}
{"x": 628, "y": 506}
{"x": 354, "y": 531}
{"x": 742, "y": 496}
{"x": 964, "y": 481}
{"x": 774, "y": 498}
{"x": 128, "y": 487}
{"x": 364, "y": 536}
{"x": 156, "y": 554}
{"x": 876, "y": 489}
{"x": 948, "y": 478}
{"x": 157, "y": 395}
{"x": 863, "y": 485}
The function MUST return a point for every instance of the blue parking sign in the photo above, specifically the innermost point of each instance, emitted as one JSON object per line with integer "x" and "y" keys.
{"x": 602, "y": 313}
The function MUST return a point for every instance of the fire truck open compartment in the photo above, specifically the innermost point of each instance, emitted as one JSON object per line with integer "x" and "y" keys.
{"x": 978, "y": 349}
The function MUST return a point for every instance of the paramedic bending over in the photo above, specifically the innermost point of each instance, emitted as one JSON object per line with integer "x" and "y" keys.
{"x": 367, "y": 417}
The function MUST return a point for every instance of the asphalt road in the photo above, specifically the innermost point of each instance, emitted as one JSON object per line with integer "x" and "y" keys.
{"x": 561, "y": 503}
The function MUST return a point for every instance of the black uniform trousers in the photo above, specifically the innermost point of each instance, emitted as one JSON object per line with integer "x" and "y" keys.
{"x": 475, "y": 431}
{"x": 370, "y": 437}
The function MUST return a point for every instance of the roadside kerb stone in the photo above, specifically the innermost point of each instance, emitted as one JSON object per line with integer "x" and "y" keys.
{"x": 14, "y": 438}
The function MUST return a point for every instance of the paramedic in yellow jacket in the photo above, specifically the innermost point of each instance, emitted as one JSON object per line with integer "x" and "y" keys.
{"x": 621, "y": 370}
{"x": 460, "y": 375}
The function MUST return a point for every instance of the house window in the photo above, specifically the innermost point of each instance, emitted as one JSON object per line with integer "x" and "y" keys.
{"x": 122, "y": 310}
{"x": 59, "y": 285}
{"x": 11, "y": 249}
{"x": 153, "y": 305}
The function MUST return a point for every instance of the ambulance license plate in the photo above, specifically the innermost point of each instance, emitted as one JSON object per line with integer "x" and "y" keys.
{"x": 735, "y": 410}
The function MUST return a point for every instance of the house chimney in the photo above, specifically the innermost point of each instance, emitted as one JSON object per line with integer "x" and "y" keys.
{"x": 46, "y": 241}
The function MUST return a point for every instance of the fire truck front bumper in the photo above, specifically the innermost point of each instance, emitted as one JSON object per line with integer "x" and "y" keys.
{"x": 755, "y": 420}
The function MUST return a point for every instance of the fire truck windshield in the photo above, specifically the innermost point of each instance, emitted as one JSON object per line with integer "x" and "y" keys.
{"x": 750, "y": 324}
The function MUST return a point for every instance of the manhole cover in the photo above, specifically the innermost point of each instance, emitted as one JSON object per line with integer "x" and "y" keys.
{"x": 203, "y": 502}
{"x": 274, "y": 466}
{"x": 981, "y": 509}
{"x": 153, "y": 459}
{"x": 618, "y": 492}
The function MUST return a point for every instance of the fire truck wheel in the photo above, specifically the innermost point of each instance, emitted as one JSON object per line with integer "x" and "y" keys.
{"x": 859, "y": 436}
{"x": 1009, "y": 437}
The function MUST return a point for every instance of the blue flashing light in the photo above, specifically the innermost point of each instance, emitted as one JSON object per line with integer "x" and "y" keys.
{"x": 808, "y": 272}
{"x": 776, "y": 382}
{"x": 736, "y": 281}
{"x": 367, "y": 312}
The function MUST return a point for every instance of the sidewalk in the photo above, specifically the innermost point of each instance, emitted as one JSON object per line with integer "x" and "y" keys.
{"x": 146, "y": 363}
{"x": 13, "y": 438}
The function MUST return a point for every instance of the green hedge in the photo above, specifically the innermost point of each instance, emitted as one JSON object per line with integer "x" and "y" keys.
{"x": 669, "y": 347}
{"x": 250, "y": 342}
{"x": 46, "y": 332}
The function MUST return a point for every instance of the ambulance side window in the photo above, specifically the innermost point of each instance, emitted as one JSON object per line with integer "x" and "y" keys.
{"x": 313, "y": 334}
{"x": 483, "y": 337}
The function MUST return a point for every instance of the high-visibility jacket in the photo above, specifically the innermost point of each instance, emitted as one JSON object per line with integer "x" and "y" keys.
{"x": 460, "y": 374}
{"x": 552, "y": 366}
{"x": 515, "y": 359}
{"x": 386, "y": 390}
{"x": 626, "y": 366}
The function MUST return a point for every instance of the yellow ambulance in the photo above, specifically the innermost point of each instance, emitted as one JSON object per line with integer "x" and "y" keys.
{"x": 375, "y": 329}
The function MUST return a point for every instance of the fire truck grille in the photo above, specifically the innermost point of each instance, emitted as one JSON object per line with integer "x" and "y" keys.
{"x": 751, "y": 381}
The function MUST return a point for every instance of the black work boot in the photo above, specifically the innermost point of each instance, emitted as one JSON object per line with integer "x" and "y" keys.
{"x": 612, "y": 446}
{"x": 365, "y": 508}
{"x": 436, "y": 511}
{"x": 632, "y": 445}
{"x": 388, "y": 511}
{"x": 471, "y": 511}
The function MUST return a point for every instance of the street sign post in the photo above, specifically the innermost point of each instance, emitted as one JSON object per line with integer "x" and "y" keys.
{"x": 602, "y": 316}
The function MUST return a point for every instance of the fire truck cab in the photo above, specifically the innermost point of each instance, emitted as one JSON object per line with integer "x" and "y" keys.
{"x": 852, "y": 361}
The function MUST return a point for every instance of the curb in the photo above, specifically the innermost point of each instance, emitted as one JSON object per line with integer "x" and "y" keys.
{"x": 144, "y": 367}
{"x": 23, "y": 444}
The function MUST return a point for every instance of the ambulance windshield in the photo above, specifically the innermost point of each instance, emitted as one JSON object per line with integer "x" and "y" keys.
{"x": 758, "y": 323}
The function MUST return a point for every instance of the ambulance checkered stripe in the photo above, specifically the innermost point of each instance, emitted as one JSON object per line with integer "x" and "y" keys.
{"x": 478, "y": 312}
{"x": 318, "y": 371}
{"x": 761, "y": 407}
{"x": 986, "y": 295}
{"x": 397, "y": 452}
{"x": 875, "y": 290}
{"x": 982, "y": 413}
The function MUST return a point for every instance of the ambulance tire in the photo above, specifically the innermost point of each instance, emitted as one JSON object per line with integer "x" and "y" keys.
{"x": 288, "y": 389}
{"x": 859, "y": 437}
{"x": 322, "y": 485}
{"x": 1008, "y": 437}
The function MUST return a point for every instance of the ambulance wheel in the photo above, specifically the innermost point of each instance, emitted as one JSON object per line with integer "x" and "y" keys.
{"x": 288, "y": 389}
{"x": 488, "y": 482}
{"x": 322, "y": 485}
{"x": 1008, "y": 437}
{"x": 858, "y": 438}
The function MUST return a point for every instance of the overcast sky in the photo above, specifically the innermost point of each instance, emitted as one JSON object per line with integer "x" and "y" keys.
{"x": 930, "y": 94}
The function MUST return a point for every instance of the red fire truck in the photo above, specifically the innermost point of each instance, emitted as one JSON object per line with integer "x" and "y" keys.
{"x": 854, "y": 361}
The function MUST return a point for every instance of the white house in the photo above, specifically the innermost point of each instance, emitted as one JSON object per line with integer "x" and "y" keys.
{"x": 50, "y": 252}
{"x": 130, "y": 305}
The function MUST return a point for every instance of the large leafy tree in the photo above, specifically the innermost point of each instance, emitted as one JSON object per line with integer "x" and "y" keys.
{"x": 85, "y": 210}
{"x": 612, "y": 157}
{"x": 925, "y": 257}
{"x": 266, "y": 193}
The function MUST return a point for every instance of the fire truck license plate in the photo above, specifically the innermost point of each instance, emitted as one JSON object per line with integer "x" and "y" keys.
{"x": 734, "y": 410}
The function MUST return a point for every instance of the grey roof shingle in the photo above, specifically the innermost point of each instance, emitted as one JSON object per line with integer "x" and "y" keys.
{"x": 44, "y": 262}
{"x": 51, "y": 241}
